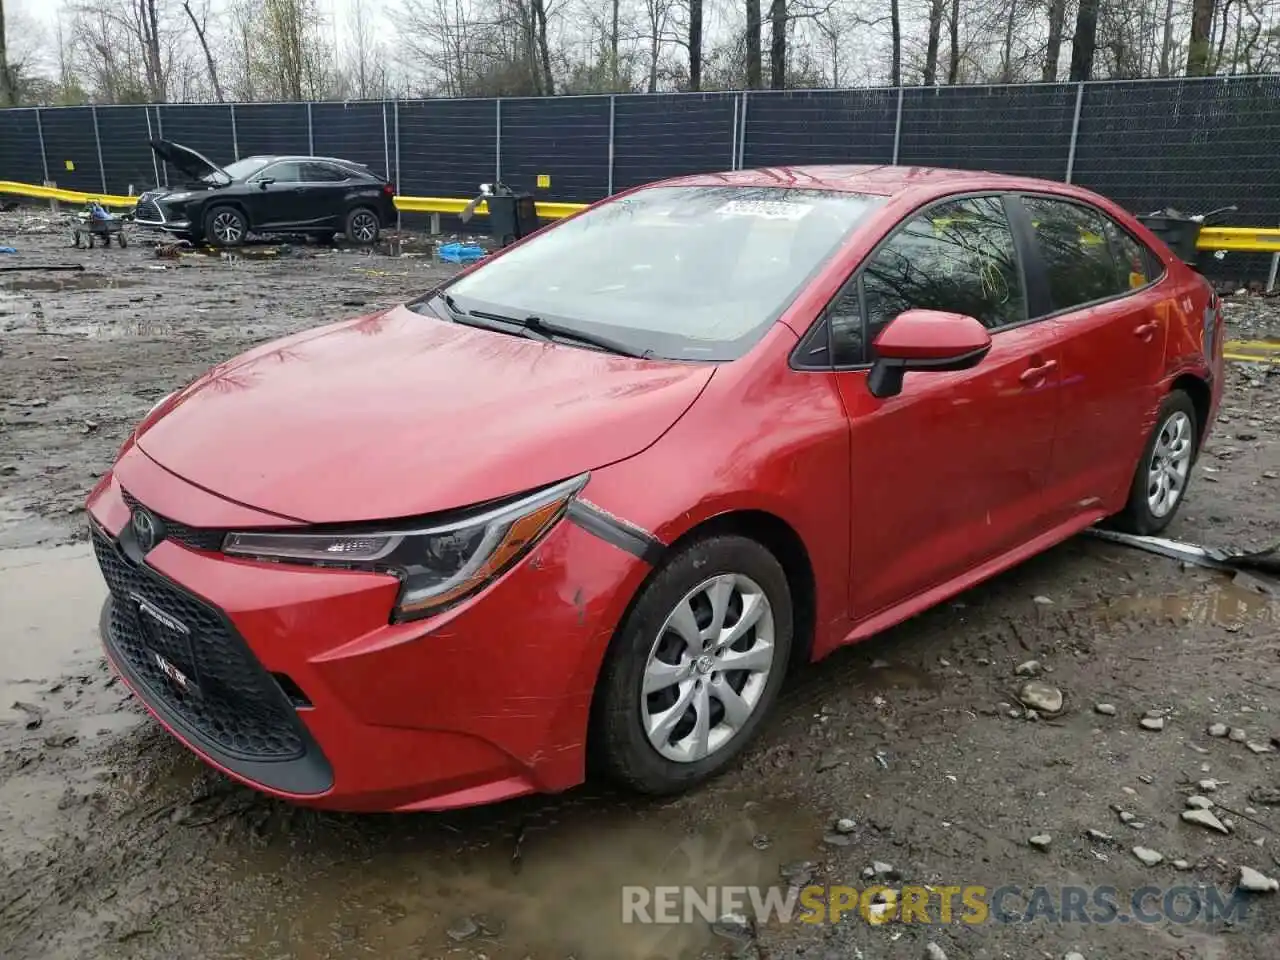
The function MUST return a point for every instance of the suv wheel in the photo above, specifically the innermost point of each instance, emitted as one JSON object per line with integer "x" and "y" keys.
{"x": 363, "y": 226}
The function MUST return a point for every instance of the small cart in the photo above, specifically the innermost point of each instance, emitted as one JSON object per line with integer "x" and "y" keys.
{"x": 94, "y": 223}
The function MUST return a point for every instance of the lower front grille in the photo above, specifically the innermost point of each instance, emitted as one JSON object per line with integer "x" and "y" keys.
{"x": 206, "y": 676}
{"x": 149, "y": 211}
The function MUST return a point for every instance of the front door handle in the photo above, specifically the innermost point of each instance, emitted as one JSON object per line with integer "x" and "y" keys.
{"x": 1034, "y": 376}
{"x": 1145, "y": 331}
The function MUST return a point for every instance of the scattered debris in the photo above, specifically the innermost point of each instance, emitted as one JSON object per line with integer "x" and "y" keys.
{"x": 1030, "y": 668}
{"x": 1152, "y": 723}
{"x": 1106, "y": 709}
{"x": 1259, "y": 747}
{"x": 1213, "y": 559}
{"x": 1199, "y": 803}
{"x": 1043, "y": 601}
{"x": 1267, "y": 796}
{"x": 934, "y": 952}
{"x": 1237, "y": 735}
{"x": 1181, "y": 865}
{"x": 734, "y": 926}
{"x": 1218, "y": 730}
{"x": 1253, "y": 881}
{"x": 761, "y": 841}
{"x": 1205, "y": 819}
{"x": 1041, "y": 696}
{"x": 1041, "y": 841}
{"x": 35, "y": 714}
{"x": 1099, "y": 836}
{"x": 846, "y": 825}
{"x": 1148, "y": 856}
{"x": 464, "y": 928}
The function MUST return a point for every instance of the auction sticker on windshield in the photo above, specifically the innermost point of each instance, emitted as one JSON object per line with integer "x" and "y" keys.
{"x": 768, "y": 209}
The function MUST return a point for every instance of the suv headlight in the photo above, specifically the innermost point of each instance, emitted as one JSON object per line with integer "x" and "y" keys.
{"x": 437, "y": 565}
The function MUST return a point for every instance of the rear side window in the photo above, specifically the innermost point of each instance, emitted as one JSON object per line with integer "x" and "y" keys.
{"x": 1136, "y": 263}
{"x": 322, "y": 173}
{"x": 958, "y": 256}
{"x": 1083, "y": 253}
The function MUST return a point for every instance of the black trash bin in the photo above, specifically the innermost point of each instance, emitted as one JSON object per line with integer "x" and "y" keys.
{"x": 1179, "y": 232}
{"x": 512, "y": 214}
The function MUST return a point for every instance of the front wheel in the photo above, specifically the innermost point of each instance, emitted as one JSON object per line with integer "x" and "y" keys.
{"x": 695, "y": 667}
{"x": 225, "y": 227}
{"x": 1160, "y": 481}
{"x": 363, "y": 226}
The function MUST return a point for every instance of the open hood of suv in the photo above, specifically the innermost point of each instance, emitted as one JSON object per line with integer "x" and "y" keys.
{"x": 193, "y": 164}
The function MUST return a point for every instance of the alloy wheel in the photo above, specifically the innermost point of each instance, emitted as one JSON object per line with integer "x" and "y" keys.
{"x": 1170, "y": 464}
{"x": 708, "y": 668}
{"x": 227, "y": 227}
{"x": 364, "y": 227}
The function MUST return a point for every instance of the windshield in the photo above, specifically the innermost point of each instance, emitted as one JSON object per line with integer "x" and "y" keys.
{"x": 686, "y": 273}
{"x": 238, "y": 170}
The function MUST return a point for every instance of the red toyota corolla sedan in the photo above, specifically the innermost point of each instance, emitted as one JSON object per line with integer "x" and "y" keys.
{"x": 584, "y": 504}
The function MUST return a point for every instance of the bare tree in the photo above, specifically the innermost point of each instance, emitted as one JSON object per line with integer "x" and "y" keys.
{"x": 754, "y": 70}
{"x": 200, "y": 25}
{"x": 8, "y": 86}
{"x": 1198, "y": 47}
{"x": 895, "y": 27}
{"x": 953, "y": 62}
{"x": 695, "y": 42}
{"x": 778, "y": 44}
{"x": 1084, "y": 42}
{"x": 936, "y": 9}
{"x": 1053, "y": 44}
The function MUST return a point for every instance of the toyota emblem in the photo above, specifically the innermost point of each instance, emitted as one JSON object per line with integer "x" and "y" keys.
{"x": 145, "y": 529}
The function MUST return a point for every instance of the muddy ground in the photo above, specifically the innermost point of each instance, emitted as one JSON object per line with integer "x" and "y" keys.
{"x": 115, "y": 843}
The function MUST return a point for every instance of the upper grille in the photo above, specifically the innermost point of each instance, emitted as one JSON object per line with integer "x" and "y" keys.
{"x": 239, "y": 708}
{"x": 198, "y": 538}
{"x": 148, "y": 210}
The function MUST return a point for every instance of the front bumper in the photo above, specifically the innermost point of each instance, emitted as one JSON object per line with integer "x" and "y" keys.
{"x": 307, "y": 691}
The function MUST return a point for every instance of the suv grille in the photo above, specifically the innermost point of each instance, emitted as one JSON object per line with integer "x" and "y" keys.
{"x": 198, "y": 538}
{"x": 236, "y": 707}
{"x": 148, "y": 210}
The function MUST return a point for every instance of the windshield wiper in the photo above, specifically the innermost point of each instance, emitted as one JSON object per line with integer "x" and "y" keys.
{"x": 545, "y": 330}
{"x": 538, "y": 329}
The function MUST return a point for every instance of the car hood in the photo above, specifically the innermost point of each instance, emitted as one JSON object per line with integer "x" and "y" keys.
{"x": 400, "y": 414}
{"x": 187, "y": 161}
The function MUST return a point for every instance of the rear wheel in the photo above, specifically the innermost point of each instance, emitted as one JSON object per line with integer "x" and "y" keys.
{"x": 1160, "y": 481}
{"x": 225, "y": 227}
{"x": 363, "y": 226}
{"x": 695, "y": 667}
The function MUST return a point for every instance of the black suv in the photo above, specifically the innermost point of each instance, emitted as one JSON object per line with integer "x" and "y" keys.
{"x": 318, "y": 196}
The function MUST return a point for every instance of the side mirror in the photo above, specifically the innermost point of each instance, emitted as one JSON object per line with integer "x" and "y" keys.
{"x": 266, "y": 182}
{"x": 925, "y": 340}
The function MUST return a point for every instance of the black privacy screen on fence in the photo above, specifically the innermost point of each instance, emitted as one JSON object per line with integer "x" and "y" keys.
{"x": 1191, "y": 143}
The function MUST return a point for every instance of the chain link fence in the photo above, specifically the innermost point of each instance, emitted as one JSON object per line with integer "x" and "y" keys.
{"x": 1191, "y": 143}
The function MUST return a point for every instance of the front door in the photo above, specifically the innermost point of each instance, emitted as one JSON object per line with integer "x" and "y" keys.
{"x": 949, "y": 473}
{"x": 276, "y": 196}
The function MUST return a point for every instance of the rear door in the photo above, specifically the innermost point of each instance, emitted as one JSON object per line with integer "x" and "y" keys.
{"x": 949, "y": 473}
{"x": 1097, "y": 288}
{"x": 325, "y": 188}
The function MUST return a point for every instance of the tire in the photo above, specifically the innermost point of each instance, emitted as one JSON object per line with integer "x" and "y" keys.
{"x": 120, "y": 239}
{"x": 1172, "y": 447}
{"x": 622, "y": 748}
{"x": 225, "y": 227}
{"x": 362, "y": 226}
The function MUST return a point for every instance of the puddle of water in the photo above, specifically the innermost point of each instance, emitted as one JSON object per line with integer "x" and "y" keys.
{"x": 566, "y": 901}
{"x": 1223, "y": 603}
{"x": 21, "y": 527}
{"x": 51, "y": 598}
{"x": 58, "y": 282}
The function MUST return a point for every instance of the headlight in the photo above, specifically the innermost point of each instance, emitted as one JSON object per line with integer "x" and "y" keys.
{"x": 177, "y": 197}
{"x": 437, "y": 565}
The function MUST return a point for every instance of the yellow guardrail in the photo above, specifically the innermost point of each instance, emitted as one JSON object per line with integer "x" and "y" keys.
{"x": 548, "y": 210}
{"x": 65, "y": 196}
{"x": 1243, "y": 239}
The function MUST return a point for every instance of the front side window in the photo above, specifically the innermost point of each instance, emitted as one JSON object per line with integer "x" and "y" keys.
{"x": 688, "y": 273}
{"x": 1078, "y": 254}
{"x": 287, "y": 172}
{"x": 958, "y": 256}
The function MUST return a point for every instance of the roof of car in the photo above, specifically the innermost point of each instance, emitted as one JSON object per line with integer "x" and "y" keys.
{"x": 275, "y": 159}
{"x": 880, "y": 180}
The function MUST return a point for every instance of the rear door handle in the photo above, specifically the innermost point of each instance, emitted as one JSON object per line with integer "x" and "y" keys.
{"x": 1145, "y": 331}
{"x": 1034, "y": 376}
